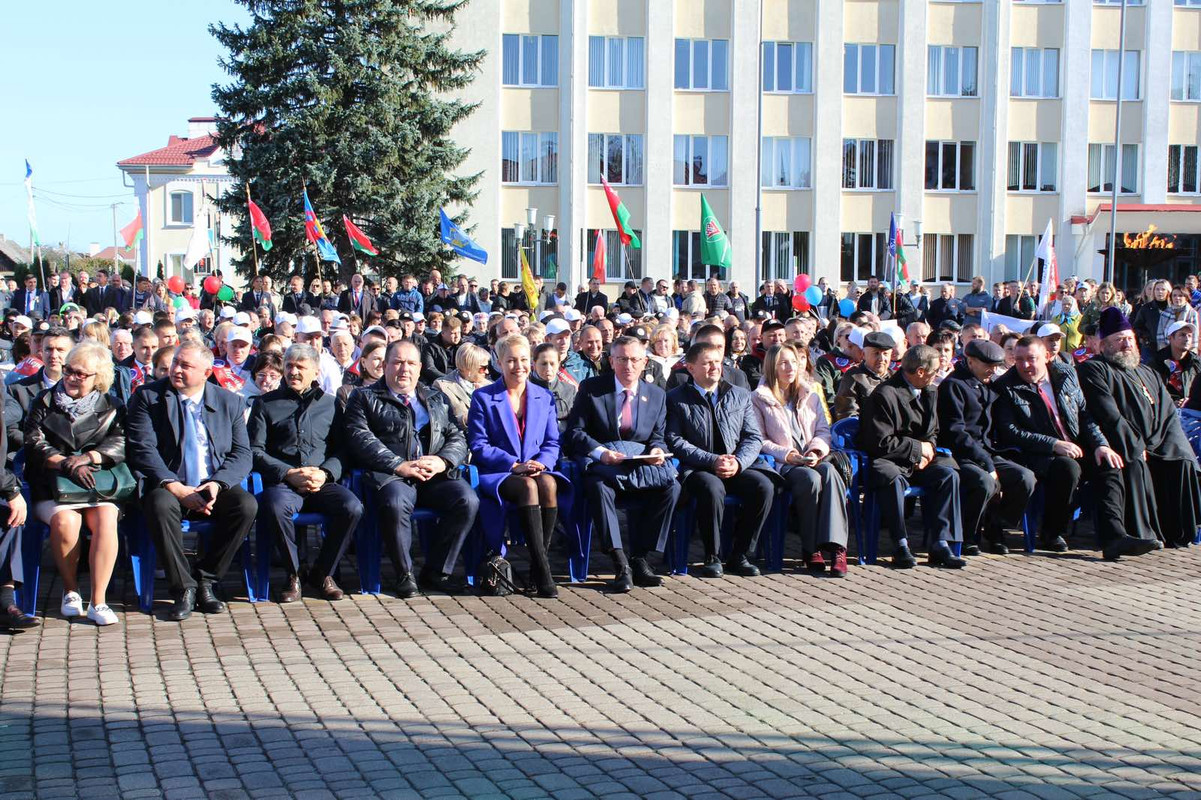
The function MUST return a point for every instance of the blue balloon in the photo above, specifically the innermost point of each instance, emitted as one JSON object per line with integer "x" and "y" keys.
{"x": 846, "y": 306}
{"x": 813, "y": 295}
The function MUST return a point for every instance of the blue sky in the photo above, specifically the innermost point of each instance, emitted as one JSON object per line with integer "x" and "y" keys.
{"x": 86, "y": 84}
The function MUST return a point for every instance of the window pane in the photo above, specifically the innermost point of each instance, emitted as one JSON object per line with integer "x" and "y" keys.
{"x": 509, "y": 157}
{"x": 1050, "y": 73}
{"x": 1030, "y": 168}
{"x": 802, "y": 161}
{"x": 1094, "y": 168}
{"x": 769, "y": 66}
{"x": 550, "y": 60}
{"x": 850, "y": 69}
{"x": 1179, "y": 62}
{"x": 1129, "y": 168}
{"x": 932, "y": 165}
{"x": 634, "y": 160}
{"x": 946, "y": 257}
{"x": 867, "y": 163}
{"x": 1033, "y": 73}
{"x": 951, "y": 70}
{"x": 1190, "y": 169}
{"x": 596, "y": 61}
{"x": 718, "y": 163}
{"x": 784, "y": 68}
{"x": 1130, "y": 78}
{"x": 635, "y": 59}
{"x": 884, "y": 176}
{"x": 1194, "y": 76}
{"x": 847, "y": 261}
{"x": 616, "y": 61}
{"x": 700, "y": 160}
{"x": 1098, "y": 74}
{"x": 1049, "y": 167}
{"x": 596, "y": 156}
{"x": 683, "y": 48}
{"x": 1013, "y": 181}
{"x": 848, "y": 164}
{"x": 679, "y": 174}
{"x": 766, "y": 161}
{"x": 529, "y": 60}
{"x": 511, "y": 59}
{"x": 967, "y": 166}
{"x": 863, "y": 257}
{"x": 804, "y": 67}
{"x": 934, "y": 70}
{"x": 720, "y": 51}
{"x": 969, "y": 72}
{"x": 700, "y": 64}
{"x": 1016, "y": 62}
{"x": 867, "y": 80}
{"x": 783, "y": 163}
{"x": 963, "y": 267}
{"x": 613, "y": 167}
{"x": 950, "y": 165}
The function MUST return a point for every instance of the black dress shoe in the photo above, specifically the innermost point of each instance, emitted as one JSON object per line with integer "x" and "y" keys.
{"x": 622, "y": 582}
{"x": 429, "y": 582}
{"x": 182, "y": 609}
{"x": 643, "y": 574}
{"x": 1055, "y": 544}
{"x": 406, "y": 587}
{"x": 1130, "y": 546}
{"x": 13, "y": 618}
{"x": 902, "y": 558}
{"x": 206, "y": 600}
{"x": 995, "y": 545}
{"x": 742, "y": 566}
{"x": 945, "y": 559}
{"x": 711, "y": 568}
{"x": 971, "y": 550}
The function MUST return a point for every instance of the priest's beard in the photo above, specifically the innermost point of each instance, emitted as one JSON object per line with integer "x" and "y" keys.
{"x": 1126, "y": 359}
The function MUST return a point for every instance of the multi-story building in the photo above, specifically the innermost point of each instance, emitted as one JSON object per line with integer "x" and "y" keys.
{"x": 807, "y": 123}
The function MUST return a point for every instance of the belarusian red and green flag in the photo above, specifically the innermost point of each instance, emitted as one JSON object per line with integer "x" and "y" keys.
{"x": 621, "y": 216}
{"x": 358, "y": 239}
{"x": 896, "y": 249}
{"x": 259, "y": 225}
{"x": 132, "y": 233}
{"x": 715, "y": 245}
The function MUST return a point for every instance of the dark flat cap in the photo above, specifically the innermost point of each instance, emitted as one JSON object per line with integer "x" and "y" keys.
{"x": 986, "y": 351}
{"x": 638, "y": 332}
{"x": 879, "y": 340}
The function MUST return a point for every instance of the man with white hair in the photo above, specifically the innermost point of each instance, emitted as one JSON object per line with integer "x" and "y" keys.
{"x": 341, "y": 345}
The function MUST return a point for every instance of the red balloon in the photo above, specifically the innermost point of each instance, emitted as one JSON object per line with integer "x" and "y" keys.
{"x": 799, "y": 303}
{"x": 212, "y": 284}
{"x": 175, "y": 284}
{"x": 803, "y": 282}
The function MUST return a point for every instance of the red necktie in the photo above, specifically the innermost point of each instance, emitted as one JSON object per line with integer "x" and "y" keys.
{"x": 626, "y": 426}
{"x": 1051, "y": 410}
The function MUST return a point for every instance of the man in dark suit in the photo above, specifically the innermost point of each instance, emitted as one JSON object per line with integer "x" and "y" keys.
{"x": 296, "y": 435}
{"x": 257, "y": 297}
{"x": 12, "y": 517}
{"x": 187, "y": 443}
{"x": 898, "y": 428}
{"x": 622, "y": 410}
{"x": 586, "y": 301}
{"x": 64, "y": 292}
{"x": 874, "y": 299}
{"x": 296, "y": 297}
{"x": 29, "y": 301}
{"x": 680, "y": 375}
{"x": 122, "y": 294}
{"x": 712, "y": 430}
{"x": 405, "y": 437}
{"x": 100, "y": 296}
{"x": 356, "y": 299}
{"x": 56, "y": 344}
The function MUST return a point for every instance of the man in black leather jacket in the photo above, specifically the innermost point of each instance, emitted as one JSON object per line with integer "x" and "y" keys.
{"x": 404, "y": 436}
{"x": 12, "y": 515}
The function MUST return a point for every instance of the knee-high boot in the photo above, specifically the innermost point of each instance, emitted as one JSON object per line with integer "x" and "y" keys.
{"x": 535, "y": 539}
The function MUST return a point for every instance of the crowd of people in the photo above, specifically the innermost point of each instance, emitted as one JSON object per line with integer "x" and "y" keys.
{"x": 121, "y": 400}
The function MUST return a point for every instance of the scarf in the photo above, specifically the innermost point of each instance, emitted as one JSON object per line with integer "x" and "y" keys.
{"x": 74, "y": 409}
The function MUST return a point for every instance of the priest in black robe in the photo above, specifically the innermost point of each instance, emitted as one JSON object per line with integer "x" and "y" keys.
{"x": 1137, "y": 414}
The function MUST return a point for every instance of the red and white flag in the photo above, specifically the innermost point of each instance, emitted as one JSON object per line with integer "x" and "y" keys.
{"x": 1049, "y": 278}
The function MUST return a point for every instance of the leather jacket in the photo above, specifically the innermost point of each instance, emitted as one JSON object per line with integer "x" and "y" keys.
{"x": 50, "y": 432}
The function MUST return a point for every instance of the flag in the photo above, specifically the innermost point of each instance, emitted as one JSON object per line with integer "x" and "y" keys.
{"x": 598, "y": 258}
{"x": 132, "y": 233}
{"x": 1050, "y": 274}
{"x": 621, "y": 216}
{"x": 358, "y": 239}
{"x": 896, "y": 251}
{"x": 527, "y": 283}
{"x": 715, "y": 245}
{"x": 459, "y": 241}
{"x": 260, "y": 228}
{"x": 200, "y": 244}
{"x": 33, "y": 217}
{"x": 316, "y": 234}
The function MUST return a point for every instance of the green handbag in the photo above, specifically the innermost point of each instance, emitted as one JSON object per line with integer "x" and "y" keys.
{"x": 112, "y": 486}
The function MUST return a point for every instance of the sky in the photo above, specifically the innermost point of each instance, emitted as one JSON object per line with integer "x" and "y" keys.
{"x": 85, "y": 84}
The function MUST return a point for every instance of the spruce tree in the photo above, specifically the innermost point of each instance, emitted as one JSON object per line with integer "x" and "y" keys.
{"x": 353, "y": 98}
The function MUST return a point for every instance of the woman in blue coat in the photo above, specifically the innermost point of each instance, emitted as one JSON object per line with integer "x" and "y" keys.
{"x": 513, "y": 432}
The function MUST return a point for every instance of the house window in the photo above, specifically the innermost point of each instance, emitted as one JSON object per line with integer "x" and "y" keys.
{"x": 621, "y": 263}
{"x": 1033, "y": 166}
{"x": 785, "y": 255}
{"x": 529, "y": 158}
{"x": 787, "y": 162}
{"x": 175, "y": 264}
{"x": 181, "y": 208}
{"x": 947, "y": 257}
{"x": 1186, "y": 75}
{"x": 1182, "y": 169}
{"x": 1118, "y": 2}
{"x": 868, "y": 68}
{"x": 1101, "y": 168}
{"x": 530, "y": 60}
{"x": 863, "y": 255}
{"x": 700, "y": 161}
{"x": 951, "y": 166}
{"x": 1019, "y": 255}
{"x": 616, "y": 156}
{"x": 867, "y": 163}
{"x": 1034, "y": 72}
{"x": 703, "y": 64}
{"x": 1105, "y": 75}
{"x": 686, "y": 258}
{"x": 788, "y": 67}
{"x": 951, "y": 71}
{"x": 616, "y": 62}
{"x": 1189, "y": 3}
{"x": 540, "y": 250}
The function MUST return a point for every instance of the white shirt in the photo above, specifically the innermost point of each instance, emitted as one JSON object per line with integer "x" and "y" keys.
{"x": 329, "y": 375}
{"x": 196, "y": 456}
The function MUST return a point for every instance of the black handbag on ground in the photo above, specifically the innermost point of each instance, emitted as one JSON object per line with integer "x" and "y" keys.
{"x": 113, "y": 485}
{"x": 494, "y": 578}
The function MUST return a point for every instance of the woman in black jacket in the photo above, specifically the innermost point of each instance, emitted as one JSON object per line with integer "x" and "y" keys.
{"x": 73, "y": 429}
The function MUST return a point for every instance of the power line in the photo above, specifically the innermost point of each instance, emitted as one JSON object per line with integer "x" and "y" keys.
{"x": 39, "y": 192}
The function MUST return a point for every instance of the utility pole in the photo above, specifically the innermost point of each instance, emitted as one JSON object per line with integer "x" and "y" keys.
{"x": 1117, "y": 152}
{"x": 116, "y": 248}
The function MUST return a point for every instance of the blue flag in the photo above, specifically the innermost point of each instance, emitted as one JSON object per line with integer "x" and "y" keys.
{"x": 892, "y": 236}
{"x": 316, "y": 234}
{"x": 460, "y": 242}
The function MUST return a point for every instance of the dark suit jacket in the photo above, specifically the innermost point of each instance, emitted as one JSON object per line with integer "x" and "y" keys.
{"x": 690, "y": 428}
{"x": 584, "y": 301}
{"x": 366, "y": 304}
{"x": 57, "y": 300}
{"x": 292, "y": 305}
{"x": 593, "y": 422}
{"x": 124, "y": 299}
{"x": 965, "y": 417}
{"x": 155, "y": 430}
{"x": 21, "y": 396}
{"x": 10, "y": 487}
{"x": 41, "y": 303}
{"x": 288, "y": 430}
{"x": 247, "y": 303}
{"x": 893, "y": 423}
{"x": 1022, "y": 426}
{"x": 99, "y": 298}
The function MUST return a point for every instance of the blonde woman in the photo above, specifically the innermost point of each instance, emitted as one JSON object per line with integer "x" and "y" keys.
{"x": 665, "y": 346}
{"x": 96, "y": 331}
{"x": 792, "y": 418}
{"x": 469, "y": 374}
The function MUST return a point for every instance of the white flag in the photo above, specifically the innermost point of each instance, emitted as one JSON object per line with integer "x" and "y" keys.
{"x": 198, "y": 245}
{"x": 1049, "y": 278}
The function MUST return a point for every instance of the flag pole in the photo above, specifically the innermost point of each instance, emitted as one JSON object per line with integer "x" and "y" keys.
{"x": 316, "y": 253}
{"x": 253, "y": 246}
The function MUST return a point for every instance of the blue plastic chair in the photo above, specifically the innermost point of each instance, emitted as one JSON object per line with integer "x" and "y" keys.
{"x": 844, "y": 432}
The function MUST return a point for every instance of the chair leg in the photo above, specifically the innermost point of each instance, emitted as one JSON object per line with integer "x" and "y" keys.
{"x": 262, "y": 546}
{"x": 33, "y": 536}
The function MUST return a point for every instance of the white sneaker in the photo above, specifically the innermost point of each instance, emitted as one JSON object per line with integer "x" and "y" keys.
{"x": 102, "y": 615}
{"x": 72, "y": 605}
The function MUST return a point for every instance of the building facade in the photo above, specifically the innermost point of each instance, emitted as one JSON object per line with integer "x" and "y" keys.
{"x": 807, "y": 123}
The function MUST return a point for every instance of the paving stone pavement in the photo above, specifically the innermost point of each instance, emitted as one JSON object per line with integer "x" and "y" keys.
{"x": 1021, "y": 677}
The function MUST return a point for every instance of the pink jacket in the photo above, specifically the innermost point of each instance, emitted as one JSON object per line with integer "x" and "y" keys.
{"x": 777, "y": 429}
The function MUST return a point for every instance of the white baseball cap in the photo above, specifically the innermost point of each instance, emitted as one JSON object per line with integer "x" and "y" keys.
{"x": 557, "y": 326}
{"x": 284, "y": 316}
{"x": 1048, "y": 329}
{"x": 241, "y": 318}
{"x": 571, "y": 315}
{"x": 1180, "y": 325}
{"x": 143, "y": 318}
{"x": 418, "y": 316}
{"x": 185, "y": 313}
{"x": 308, "y": 325}
{"x": 238, "y": 334}
{"x": 546, "y": 313}
{"x": 624, "y": 319}
{"x": 376, "y": 329}
{"x": 338, "y": 325}
{"x": 228, "y": 312}
{"x": 856, "y": 336}
{"x": 21, "y": 319}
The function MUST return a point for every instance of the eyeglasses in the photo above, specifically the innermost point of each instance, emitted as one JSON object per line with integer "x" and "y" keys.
{"x": 628, "y": 359}
{"x": 79, "y": 375}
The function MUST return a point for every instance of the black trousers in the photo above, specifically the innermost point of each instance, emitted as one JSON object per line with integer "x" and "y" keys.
{"x": 11, "y": 565}
{"x": 342, "y": 511}
{"x": 232, "y": 517}
{"x": 940, "y": 502}
{"x": 1058, "y": 478}
{"x": 650, "y": 524}
{"x": 1177, "y": 498}
{"x": 977, "y": 489}
{"x": 456, "y": 505}
{"x": 752, "y": 487}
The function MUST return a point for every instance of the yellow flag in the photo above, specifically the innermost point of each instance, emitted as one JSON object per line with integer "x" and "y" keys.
{"x": 527, "y": 283}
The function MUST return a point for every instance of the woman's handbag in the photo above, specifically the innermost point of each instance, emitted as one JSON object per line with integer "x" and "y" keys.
{"x": 112, "y": 486}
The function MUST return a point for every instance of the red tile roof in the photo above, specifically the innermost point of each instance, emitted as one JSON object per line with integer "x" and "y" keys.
{"x": 125, "y": 254}
{"x": 179, "y": 152}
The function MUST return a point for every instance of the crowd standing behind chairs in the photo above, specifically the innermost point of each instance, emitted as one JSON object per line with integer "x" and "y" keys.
{"x": 674, "y": 407}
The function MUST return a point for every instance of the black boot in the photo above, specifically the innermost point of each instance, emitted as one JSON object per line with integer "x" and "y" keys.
{"x": 540, "y": 575}
{"x": 623, "y": 576}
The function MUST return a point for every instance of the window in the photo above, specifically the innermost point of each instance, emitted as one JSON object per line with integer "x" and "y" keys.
{"x": 787, "y": 163}
{"x": 947, "y": 257}
{"x": 1190, "y": 3}
{"x": 868, "y": 68}
{"x": 181, "y": 208}
{"x": 616, "y": 156}
{"x": 700, "y": 161}
{"x": 616, "y": 63}
{"x": 686, "y": 258}
{"x": 788, "y": 67}
{"x": 1186, "y": 75}
{"x": 951, "y": 166}
{"x": 1019, "y": 255}
{"x": 951, "y": 71}
{"x": 1034, "y": 72}
{"x": 867, "y": 163}
{"x": 1105, "y": 75}
{"x": 703, "y": 64}
{"x": 530, "y": 60}
{"x": 863, "y": 255}
{"x": 1118, "y": 2}
{"x": 1033, "y": 166}
{"x": 621, "y": 263}
{"x": 531, "y": 158}
{"x": 541, "y": 250}
{"x": 1182, "y": 169}
{"x": 175, "y": 264}
{"x": 1101, "y": 168}
{"x": 785, "y": 255}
